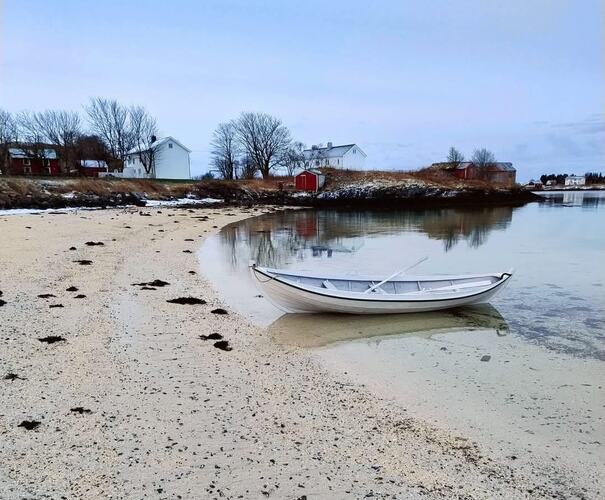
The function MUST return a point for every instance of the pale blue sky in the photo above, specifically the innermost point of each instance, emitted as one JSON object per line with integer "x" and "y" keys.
{"x": 403, "y": 79}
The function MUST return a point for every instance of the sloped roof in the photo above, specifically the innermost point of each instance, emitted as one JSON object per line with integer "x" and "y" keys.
{"x": 503, "y": 166}
{"x": 333, "y": 152}
{"x": 48, "y": 154}
{"x": 158, "y": 143}
{"x": 315, "y": 172}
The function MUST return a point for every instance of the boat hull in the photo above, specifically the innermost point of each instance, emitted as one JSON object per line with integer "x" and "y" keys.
{"x": 294, "y": 299}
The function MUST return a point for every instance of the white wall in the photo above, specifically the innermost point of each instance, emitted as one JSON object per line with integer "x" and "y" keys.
{"x": 575, "y": 182}
{"x": 170, "y": 163}
{"x": 354, "y": 159}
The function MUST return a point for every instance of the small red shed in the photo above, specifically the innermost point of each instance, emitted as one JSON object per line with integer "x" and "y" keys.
{"x": 310, "y": 180}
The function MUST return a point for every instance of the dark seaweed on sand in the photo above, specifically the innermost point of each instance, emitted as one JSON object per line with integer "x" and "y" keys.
{"x": 187, "y": 301}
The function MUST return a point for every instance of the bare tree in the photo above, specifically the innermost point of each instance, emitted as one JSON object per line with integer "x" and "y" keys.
{"x": 225, "y": 150}
{"x": 143, "y": 131}
{"x": 483, "y": 157}
{"x": 92, "y": 147}
{"x": 62, "y": 129}
{"x": 294, "y": 158}
{"x": 455, "y": 157}
{"x": 110, "y": 120}
{"x": 264, "y": 138}
{"x": 30, "y": 135}
{"x": 8, "y": 135}
{"x": 247, "y": 168}
{"x": 316, "y": 157}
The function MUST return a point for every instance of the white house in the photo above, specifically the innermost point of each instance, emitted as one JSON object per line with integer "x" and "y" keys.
{"x": 575, "y": 180}
{"x": 346, "y": 156}
{"x": 168, "y": 159}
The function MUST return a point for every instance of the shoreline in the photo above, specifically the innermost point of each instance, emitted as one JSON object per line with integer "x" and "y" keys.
{"x": 170, "y": 414}
{"x": 49, "y": 194}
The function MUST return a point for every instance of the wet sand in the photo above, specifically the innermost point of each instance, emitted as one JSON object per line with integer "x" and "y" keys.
{"x": 134, "y": 397}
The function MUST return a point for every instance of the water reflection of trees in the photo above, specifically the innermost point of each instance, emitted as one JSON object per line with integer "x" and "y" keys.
{"x": 274, "y": 238}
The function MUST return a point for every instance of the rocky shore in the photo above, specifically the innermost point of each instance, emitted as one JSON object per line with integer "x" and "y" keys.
{"x": 376, "y": 193}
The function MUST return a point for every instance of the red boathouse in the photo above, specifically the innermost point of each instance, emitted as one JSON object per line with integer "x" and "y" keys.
{"x": 310, "y": 180}
{"x": 26, "y": 162}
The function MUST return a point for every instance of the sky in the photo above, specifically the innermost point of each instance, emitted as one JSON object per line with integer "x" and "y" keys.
{"x": 405, "y": 80}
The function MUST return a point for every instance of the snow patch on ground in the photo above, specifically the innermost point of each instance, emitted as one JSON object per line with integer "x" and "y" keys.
{"x": 182, "y": 201}
{"x": 36, "y": 211}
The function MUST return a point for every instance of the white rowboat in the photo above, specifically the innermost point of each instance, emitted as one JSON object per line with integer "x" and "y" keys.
{"x": 309, "y": 293}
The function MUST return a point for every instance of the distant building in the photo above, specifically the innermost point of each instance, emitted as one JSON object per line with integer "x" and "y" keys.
{"x": 169, "y": 160}
{"x": 497, "y": 172}
{"x": 92, "y": 168}
{"x": 534, "y": 184}
{"x": 346, "y": 156}
{"x": 25, "y": 160}
{"x": 575, "y": 180}
{"x": 551, "y": 182}
{"x": 309, "y": 180}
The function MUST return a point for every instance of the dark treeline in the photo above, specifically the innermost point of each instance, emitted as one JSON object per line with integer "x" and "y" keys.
{"x": 105, "y": 131}
{"x": 591, "y": 178}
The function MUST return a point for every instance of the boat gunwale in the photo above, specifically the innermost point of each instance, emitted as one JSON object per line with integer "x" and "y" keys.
{"x": 407, "y": 277}
{"x": 504, "y": 277}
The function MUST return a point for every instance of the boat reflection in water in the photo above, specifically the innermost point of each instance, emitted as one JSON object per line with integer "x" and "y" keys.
{"x": 317, "y": 330}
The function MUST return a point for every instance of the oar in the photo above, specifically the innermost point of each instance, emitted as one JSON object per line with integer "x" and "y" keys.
{"x": 374, "y": 287}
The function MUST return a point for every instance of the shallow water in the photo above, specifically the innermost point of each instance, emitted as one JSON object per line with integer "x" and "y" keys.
{"x": 523, "y": 376}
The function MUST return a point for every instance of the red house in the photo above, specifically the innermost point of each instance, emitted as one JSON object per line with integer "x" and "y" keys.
{"x": 498, "y": 172}
{"x": 27, "y": 162}
{"x": 309, "y": 180}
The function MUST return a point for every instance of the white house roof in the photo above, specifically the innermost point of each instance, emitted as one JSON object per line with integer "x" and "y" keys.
{"x": 330, "y": 152}
{"x": 158, "y": 143}
{"x": 315, "y": 172}
{"x": 93, "y": 163}
{"x": 576, "y": 177}
{"x": 48, "y": 154}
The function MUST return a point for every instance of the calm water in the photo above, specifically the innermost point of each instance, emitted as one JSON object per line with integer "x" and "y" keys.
{"x": 540, "y": 392}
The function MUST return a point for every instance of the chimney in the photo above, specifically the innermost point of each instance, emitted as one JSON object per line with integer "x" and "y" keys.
{"x": 153, "y": 138}
{"x": 329, "y": 145}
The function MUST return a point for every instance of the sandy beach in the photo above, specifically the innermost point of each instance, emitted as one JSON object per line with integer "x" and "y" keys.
{"x": 132, "y": 401}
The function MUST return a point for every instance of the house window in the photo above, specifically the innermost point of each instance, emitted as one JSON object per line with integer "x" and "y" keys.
{"x": 169, "y": 145}
{"x": 337, "y": 161}
{"x": 27, "y": 170}
{"x": 27, "y": 161}
{"x": 317, "y": 163}
{"x": 354, "y": 151}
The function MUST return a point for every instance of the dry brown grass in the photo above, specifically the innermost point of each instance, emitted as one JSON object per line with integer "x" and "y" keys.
{"x": 431, "y": 176}
{"x": 22, "y": 188}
